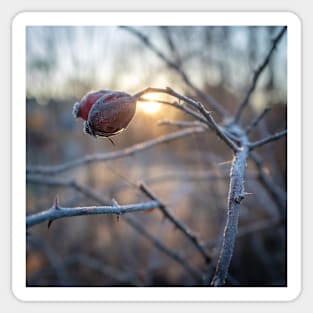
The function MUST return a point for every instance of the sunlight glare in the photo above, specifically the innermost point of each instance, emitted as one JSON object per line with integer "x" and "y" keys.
{"x": 150, "y": 107}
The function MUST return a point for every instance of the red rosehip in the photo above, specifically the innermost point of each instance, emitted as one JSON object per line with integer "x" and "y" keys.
{"x": 106, "y": 112}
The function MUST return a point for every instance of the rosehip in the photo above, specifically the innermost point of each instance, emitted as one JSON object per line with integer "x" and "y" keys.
{"x": 105, "y": 112}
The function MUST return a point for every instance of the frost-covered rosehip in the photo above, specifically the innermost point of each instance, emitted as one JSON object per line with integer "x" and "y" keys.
{"x": 106, "y": 112}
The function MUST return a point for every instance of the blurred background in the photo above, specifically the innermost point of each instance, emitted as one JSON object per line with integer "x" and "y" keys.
{"x": 190, "y": 175}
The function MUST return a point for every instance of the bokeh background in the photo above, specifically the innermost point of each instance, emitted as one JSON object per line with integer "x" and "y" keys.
{"x": 190, "y": 174}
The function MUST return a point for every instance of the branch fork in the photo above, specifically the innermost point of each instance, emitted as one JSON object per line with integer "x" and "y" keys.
{"x": 232, "y": 134}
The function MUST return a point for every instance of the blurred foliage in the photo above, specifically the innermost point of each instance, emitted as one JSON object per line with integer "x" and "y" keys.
{"x": 63, "y": 63}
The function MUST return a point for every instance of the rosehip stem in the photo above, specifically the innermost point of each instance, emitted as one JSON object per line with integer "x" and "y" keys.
{"x": 205, "y": 116}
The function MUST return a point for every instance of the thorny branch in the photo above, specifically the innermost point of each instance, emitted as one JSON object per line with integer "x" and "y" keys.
{"x": 177, "y": 105}
{"x": 57, "y": 212}
{"x": 235, "y": 196}
{"x": 236, "y": 188}
{"x": 131, "y": 221}
{"x": 206, "y": 116}
{"x": 232, "y": 135}
{"x": 183, "y": 228}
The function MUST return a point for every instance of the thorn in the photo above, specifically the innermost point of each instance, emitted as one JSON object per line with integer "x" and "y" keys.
{"x": 224, "y": 163}
{"x": 249, "y": 193}
{"x": 115, "y": 203}
{"x": 118, "y": 215}
{"x": 56, "y": 205}
{"x": 49, "y": 223}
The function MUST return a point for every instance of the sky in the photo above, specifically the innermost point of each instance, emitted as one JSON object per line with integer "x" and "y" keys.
{"x": 65, "y": 62}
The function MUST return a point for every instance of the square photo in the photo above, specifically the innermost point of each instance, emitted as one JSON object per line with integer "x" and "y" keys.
{"x": 154, "y": 155}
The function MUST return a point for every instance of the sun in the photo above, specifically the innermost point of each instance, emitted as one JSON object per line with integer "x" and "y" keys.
{"x": 150, "y": 107}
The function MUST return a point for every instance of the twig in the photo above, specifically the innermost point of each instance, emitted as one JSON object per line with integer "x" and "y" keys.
{"x": 163, "y": 248}
{"x": 210, "y": 100}
{"x": 217, "y": 129}
{"x": 178, "y": 106}
{"x": 175, "y": 256}
{"x": 112, "y": 155}
{"x": 257, "y": 74}
{"x": 268, "y": 139}
{"x": 61, "y": 182}
{"x": 175, "y": 176}
{"x": 257, "y": 120}
{"x": 208, "y": 117}
{"x": 49, "y": 181}
{"x": 56, "y": 212}
{"x": 53, "y": 259}
{"x": 180, "y": 124}
{"x": 118, "y": 275}
{"x": 211, "y": 123}
{"x": 166, "y": 30}
{"x": 169, "y": 91}
{"x": 58, "y": 266}
{"x": 183, "y": 228}
{"x": 69, "y": 183}
{"x": 92, "y": 195}
{"x": 278, "y": 195}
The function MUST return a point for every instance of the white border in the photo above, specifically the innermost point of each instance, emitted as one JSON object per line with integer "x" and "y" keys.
{"x": 140, "y": 293}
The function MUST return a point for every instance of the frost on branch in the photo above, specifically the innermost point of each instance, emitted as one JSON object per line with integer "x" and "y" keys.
{"x": 195, "y": 180}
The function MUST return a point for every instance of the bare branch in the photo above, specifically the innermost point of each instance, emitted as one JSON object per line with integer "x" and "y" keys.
{"x": 164, "y": 249}
{"x": 208, "y": 117}
{"x": 59, "y": 212}
{"x": 146, "y": 41}
{"x": 217, "y": 129}
{"x": 231, "y": 133}
{"x": 181, "y": 124}
{"x": 102, "y": 268}
{"x": 59, "y": 265}
{"x": 166, "y": 30}
{"x": 178, "y": 106}
{"x": 235, "y": 196}
{"x": 183, "y": 228}
{"x": 113, "y": 155}
{"x": 70, "y": 183}
{"x": 174, "y": 176}
{"x": 175, "y": 256}
{"x": 257, "y": 74}
{"x": 131, "y": 221}
{"x": 256, "y": 121}
{"x": 268, "y": 139}
{"x": 52, "y": 258}
{"x": 278, "y": 195}
{"x": 168, "y": 91}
